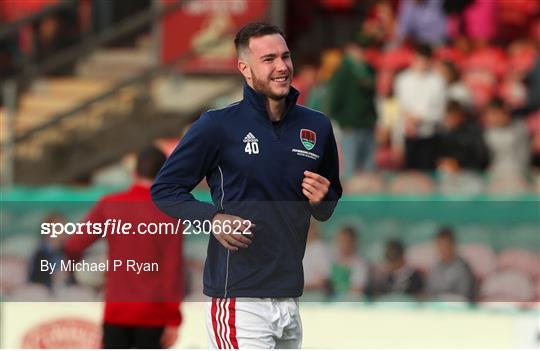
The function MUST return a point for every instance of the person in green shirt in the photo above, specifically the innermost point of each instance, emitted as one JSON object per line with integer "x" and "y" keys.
{"x": 351, "y": 99}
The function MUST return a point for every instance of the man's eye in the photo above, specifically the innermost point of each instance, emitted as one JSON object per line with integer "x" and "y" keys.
{"x": 267, "y": 60}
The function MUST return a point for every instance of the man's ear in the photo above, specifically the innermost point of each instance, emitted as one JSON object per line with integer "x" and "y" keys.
{"x": 243, "y": 67}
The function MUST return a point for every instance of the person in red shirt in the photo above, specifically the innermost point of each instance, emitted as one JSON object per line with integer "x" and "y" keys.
{"x": 142, "y": 306}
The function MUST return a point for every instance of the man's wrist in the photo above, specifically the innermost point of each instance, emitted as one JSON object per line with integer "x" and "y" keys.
{"x": 217, "y": 213}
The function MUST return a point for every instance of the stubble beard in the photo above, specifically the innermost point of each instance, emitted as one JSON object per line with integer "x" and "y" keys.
{"x": 263, "y": 87}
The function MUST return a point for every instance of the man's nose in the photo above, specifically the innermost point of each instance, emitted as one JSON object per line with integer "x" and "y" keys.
{"x": 281, "y": 66}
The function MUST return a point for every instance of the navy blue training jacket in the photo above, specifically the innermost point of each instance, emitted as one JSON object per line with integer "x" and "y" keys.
{"x": 255, "y": 170}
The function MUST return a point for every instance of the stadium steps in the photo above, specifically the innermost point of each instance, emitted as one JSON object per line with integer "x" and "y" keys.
{"x": 135, "y": 114}
{"x": 77, "y": 147}
{"x": 115, "y": 63}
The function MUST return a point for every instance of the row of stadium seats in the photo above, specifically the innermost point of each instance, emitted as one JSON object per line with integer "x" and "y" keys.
{"x": 416, "y": 183}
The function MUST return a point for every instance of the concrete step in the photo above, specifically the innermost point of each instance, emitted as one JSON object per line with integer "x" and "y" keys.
{"x": 115, "y": 71}
{"x": 68, "y": 86}
{"x": 126, "y": 56}
{"x": 191, "y": 92}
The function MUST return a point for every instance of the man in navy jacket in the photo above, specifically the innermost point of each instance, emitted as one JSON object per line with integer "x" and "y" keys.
{"x": 271, "y": 164}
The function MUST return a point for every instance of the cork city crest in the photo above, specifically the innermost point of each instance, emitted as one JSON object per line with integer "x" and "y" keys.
{"x": 308, "y": 138}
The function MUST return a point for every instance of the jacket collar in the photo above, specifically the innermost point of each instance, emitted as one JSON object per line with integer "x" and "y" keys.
{"x": 258, "y": 100}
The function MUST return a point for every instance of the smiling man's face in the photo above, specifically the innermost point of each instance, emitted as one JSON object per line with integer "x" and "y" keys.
{"x": 267, "y": 66}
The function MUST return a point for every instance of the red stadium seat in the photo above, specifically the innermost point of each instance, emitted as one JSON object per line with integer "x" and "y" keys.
{"x": 364, "y": 183}
{"x": 21, "y": 245}
{"x": 462, "y": 183}
{"x": 489, "y": 59}
{"x": 411, "y": 183}
{"x": 30, "y": 292}
{"x": 508, "y": 184}
{"x": 526, "y": 261}
{"x": 480, "y": 257}
{"x": 374, "y": 57}
{"x": 450, "y": 53}
{"x": 521, "y": 58}
{"x": 75, "y": 293}
{"x": 14, "y": 272}
{"x": 507, "y": 286}
{"x": 396, "y": 59}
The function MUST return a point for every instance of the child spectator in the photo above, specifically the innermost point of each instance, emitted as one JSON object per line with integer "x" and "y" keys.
{"x": 349, "y": 272}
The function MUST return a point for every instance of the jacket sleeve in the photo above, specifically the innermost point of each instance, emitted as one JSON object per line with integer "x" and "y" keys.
{"x": 195, "y": 157}
{"x": 330, "y": 170}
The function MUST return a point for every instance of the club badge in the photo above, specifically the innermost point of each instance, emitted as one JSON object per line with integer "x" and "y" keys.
{"x": 308, "y": 138}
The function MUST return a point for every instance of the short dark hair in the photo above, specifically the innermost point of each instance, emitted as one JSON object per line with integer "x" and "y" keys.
{"x": 446, "y": 233}
{"x": 454, "y": 106}
{"x": 254, "y": 30}
{"x": 149, "y": 161}
{"x": 497, "y": 104}
{"x": 394, "y": 250}
{"x": 350, "y": 231}
{"x": 424, "y": 50}
{"x": 454, "y": 72}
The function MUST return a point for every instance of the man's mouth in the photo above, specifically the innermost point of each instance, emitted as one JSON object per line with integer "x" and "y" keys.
{"x": 281, "y": 79}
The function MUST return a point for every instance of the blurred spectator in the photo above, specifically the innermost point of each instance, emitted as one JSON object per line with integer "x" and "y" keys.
{"x": 532, "y": 79}
{"x": 388, "y": 155}
{"x": 535, "y": 142}
{"x": 306, "y": 78}
{"x": 395, "y": 276}
{"x": 381, "y": 21}
{"x": 318, "y": 94}
{"x": 474, "y": 19}
{"x": 507, "y": 141}
{"x": 460, "y": 142}
{"x": 317, "y": 260}
{"x": 352, "y": 105}
{"x": 532, "y": 82}
{"x": 141, "y": 308}
{"x": 514, "y": 17}
{"x": 456, "y": 90}
{"x": 421, "y": 94}
{"x": 422, "y": 20}
{"x": 452, "y": 277}
{"x": 349, "y": 272}
{"x": 49, "y": 249}
{"x": 55, "y": 33}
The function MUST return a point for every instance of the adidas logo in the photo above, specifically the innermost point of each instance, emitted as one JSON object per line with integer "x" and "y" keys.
{"x": 250, "y": 138}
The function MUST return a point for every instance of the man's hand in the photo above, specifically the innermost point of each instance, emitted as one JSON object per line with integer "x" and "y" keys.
{"x": 169, "y": 336}
{"x": 314, "y": 187}
{"x": 228, "y": 230}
